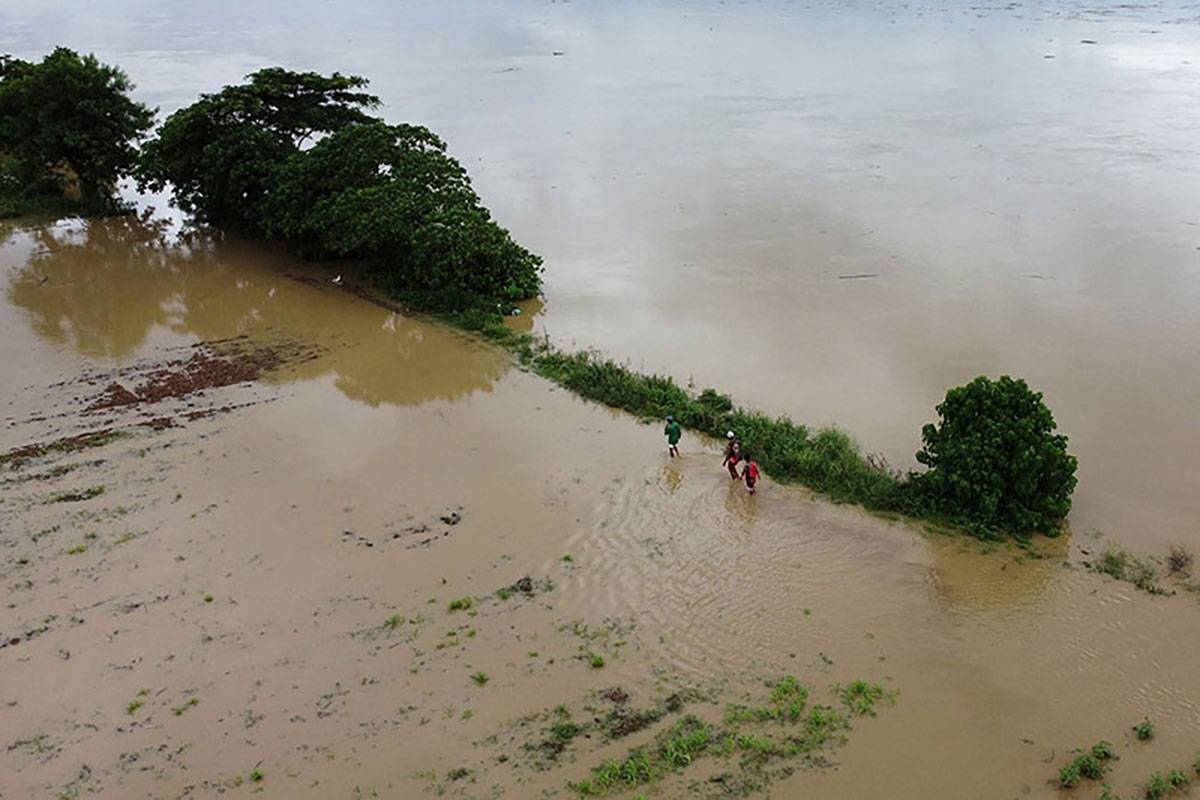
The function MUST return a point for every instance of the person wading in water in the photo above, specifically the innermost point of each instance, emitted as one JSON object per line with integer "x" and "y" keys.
{"x": 733, "y": 454}
{"x": 673, "y": 432}
{"x": 750, "y": 472}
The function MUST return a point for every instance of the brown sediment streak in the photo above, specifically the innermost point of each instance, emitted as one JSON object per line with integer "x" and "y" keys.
{"x": 205, "y": 369}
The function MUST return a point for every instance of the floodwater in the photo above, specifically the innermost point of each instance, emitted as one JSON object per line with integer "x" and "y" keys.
{"x": 834, "y": 211}
{"x": 254, "y": 536}
{"x": 1018, "y": 185}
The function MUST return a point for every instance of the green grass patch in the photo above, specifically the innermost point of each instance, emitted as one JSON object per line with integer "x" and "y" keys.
{"x": 764, "y": 739}
{"x": 1091, "y": 764}
{"x": 462, "y": 604}
{"x": 1119, "y": 563}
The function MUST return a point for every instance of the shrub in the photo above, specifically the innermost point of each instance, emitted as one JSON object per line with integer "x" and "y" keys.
{"x": 1144, "y": 730}
{"x": 994, "y": 461}
{"x": 1157, "y": 787}
{"x": 1179, "y": 560}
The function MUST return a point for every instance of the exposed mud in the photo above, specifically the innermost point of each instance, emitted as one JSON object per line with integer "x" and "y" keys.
{"x": 210, "y": 366}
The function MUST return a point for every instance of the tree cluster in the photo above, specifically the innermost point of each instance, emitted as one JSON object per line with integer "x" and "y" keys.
{"x": 67, "y": 128}
{"x": 296, "y": 157}
{"x": 291, "y": 156}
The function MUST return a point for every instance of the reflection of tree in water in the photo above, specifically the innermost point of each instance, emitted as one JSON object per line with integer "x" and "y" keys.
{"x": 66, "y": 285}
{"x": 108, "y": 283}
{"x": 971, "y": 576}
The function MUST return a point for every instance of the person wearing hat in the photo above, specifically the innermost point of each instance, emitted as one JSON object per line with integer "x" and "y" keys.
{"x": 733, "y": 454}
{"x": 673, "y": 432}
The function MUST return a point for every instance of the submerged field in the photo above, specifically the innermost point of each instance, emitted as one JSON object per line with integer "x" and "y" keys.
{"x": 259, "y": 535}
{"x": 321, "y": 549}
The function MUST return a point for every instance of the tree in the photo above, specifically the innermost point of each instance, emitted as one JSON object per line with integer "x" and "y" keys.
{"x": 391, "y": 193}
{"x": 295, "y": 157}
{"x": 220, "y": 153}
{"x": 995, "y": 461}
{"x": 69, "y": 118}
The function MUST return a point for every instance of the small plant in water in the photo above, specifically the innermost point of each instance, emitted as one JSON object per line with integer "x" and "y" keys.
{"x": 461, "y": 604}
{"x": 179, "y": 711}
{"x": 1144, "y": 730}
{"x": 1157, "y": 787}
{"x": 393, "y": 621}
{"x": 1089, "y": 764}
{"x": 133, "y": 707}
{"x": 596, "y": 660}
{"x": 480, "y": 678}
{"x": 1179, "y": 560}
{"x": 256, "y": 775}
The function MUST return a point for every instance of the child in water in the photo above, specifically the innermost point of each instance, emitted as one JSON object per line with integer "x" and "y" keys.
{"x": 673, "y": 432}
{"x": 749, "y": 472}
{"x": 733, "y": 453}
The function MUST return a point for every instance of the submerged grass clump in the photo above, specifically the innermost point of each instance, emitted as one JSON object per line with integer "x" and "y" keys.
{"x": 1119, "y": 563}
{"x": 1179, "y": 560}
{"x": 783, "y": 728}
{"x": 1091, "y": 764}
{"x": 1144, "y": 730}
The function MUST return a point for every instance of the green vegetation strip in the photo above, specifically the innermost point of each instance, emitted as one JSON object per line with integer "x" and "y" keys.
{"x": 973, "y": 482}
{"x": 784, "y": 729}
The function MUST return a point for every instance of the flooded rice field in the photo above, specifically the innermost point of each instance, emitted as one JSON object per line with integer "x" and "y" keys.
{"x": 258, "y": 534}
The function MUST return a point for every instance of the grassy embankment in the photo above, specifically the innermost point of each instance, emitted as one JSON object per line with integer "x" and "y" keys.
{"x": 825, "y": 460}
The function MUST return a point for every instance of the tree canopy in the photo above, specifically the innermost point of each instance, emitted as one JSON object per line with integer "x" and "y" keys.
{"x": 68, "y": 119}
{"x": 995, "y": 461}
{"x": 295, "y": 157}
{"x": 219, "y": 154}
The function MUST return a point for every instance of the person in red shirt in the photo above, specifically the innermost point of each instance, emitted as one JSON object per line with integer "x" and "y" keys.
{"x": 749, "y": 472}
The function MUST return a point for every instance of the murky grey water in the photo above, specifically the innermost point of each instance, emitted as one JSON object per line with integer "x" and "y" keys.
{"x": 1016, "y": 184}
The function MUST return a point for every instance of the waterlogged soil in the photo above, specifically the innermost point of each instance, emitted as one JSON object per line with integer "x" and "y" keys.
{"x": 366, "y": 557}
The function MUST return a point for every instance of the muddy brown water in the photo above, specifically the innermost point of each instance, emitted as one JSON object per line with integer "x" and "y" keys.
{"x": 1015, "y": 186}
{"x": 248, "y": 555}
{"x": 703, "y": 181}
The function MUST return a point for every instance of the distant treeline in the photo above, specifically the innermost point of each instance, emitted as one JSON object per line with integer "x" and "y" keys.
{"x": 296, "y": 157}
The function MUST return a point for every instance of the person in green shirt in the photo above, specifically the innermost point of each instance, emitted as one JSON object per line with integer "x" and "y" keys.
{"x": 673, "y": 432}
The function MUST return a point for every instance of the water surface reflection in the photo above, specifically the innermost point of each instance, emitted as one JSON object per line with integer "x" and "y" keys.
{"x": 111, "y": 290}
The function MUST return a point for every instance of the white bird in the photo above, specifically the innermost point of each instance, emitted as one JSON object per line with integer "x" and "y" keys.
{"x": 337, "y": 281}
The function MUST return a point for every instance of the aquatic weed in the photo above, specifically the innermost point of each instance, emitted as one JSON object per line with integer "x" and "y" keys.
{"x": 1090, "y": 764}
{"x": 860, "y": 697}
{"x": 1179, "y": 560}
{"x": 179, "y": 711}
{"x": 480, "y": 678}
{"x": 462, "y": 604}
{"x": 1144, "y": 730}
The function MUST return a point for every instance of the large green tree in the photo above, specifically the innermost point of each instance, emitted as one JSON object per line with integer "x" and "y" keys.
{"x": 391, "y": 193}
{"x": 220, "y": 153}
{"x": 996, "y": 462}
{"x": 68, "y": 118}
